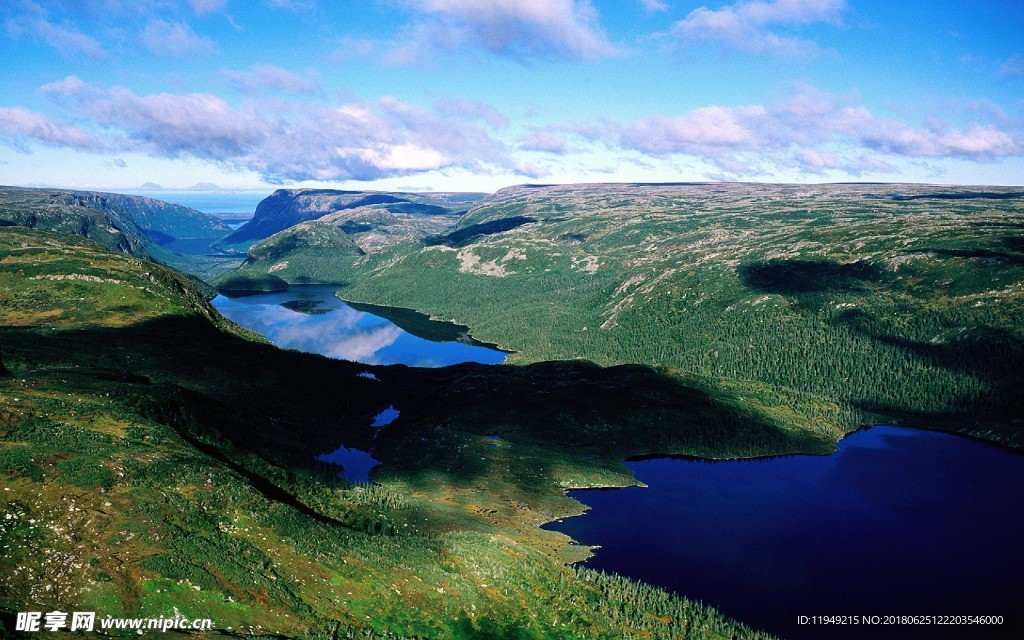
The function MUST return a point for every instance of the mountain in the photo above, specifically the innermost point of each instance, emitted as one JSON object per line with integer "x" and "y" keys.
{"x": 303, "y": 253}
{"x": 178, "y": 221}
{"x": 87, "y": 214}
{"x": 830, "y": 305}
{"x": 287, "y": 207}
{"x": 122, "y": 222}
{"x": 168, "y": 459}
{"x": 134, "y": 225}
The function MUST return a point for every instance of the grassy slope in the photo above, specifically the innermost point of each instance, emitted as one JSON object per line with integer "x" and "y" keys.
{"x": 831, "y": 305}
{"x": 156, "y": 458}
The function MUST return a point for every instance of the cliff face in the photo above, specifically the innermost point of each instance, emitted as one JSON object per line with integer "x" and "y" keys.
{"x": 124, "y": 223}
{"x": 86, "y": 214}
{"x": 171, "y": 219}
{"x": 287, "y": 207}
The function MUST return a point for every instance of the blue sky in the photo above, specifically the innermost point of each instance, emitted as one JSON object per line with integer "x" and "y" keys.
{"x": 480, "y": 94}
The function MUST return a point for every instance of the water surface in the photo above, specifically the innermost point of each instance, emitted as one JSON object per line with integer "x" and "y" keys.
{"x": 312, "y": 319}
{"x": 898, "y": 521}
{"x": 355, "y": 463}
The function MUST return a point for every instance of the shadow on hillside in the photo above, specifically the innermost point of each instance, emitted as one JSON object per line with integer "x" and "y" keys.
{"x": 1014, "y": 243}
{"x": 467, "y": 235}
{"x": 990, "y": 354}
{"x": 223, "y": 392}
{"x": 999, "y": 430}
{"x": 798, "y": 276}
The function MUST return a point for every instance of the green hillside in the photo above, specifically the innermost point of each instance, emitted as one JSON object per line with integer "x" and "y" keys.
{"x": 116, "y": 221}
{"x": 133, "y": 225}
{"x": 86, "y": 214}
{"x": 883, "y": 302}
{"x": 302, "y": 253}
{"x": 157, "y": 459}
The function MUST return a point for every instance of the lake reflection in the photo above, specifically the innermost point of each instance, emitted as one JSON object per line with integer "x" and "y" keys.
{"x": 314, "y": 320}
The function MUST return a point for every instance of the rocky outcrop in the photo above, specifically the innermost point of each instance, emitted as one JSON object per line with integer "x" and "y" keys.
{"x": 287, "y": 207}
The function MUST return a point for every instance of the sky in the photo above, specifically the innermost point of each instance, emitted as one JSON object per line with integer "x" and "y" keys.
{"x": 475, "y": 95}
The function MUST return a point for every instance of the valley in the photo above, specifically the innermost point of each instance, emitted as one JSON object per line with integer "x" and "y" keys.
{"x": 708, "y": 320}
{"x": 824, "y": 306}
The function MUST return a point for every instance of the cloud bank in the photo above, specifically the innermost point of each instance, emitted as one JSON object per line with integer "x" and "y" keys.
{"x": 282, "y": 140}
{"x": 811, "y": 130}
{"x": 359, "y": 140}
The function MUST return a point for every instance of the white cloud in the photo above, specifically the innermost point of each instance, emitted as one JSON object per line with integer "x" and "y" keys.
{"x": 748, "y": 26}
{"x": 174, "y": 39}
{"x": 700, "y": 130}
{"x": 286, "y": 140}
{"x": 519, "y": 28}
{"x": 294, "y": 5}
{"x": 67, "y": 40}
{"x": 814, "y": 131}
{"x": 1012, "y": 66}
{"x": 166, "y": 124}
{"x": 17, "y": 125}
{"x": 817, "y": 161}
{"x": 473, "y": 110}
{"x": 545, "y": 141}
{"x": 269, "y": 78}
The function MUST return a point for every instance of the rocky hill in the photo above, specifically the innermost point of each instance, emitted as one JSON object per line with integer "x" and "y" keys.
{"x": 134, "y": 225}
{"x": 124, "y": 223}
{"x": 287, "y": 207}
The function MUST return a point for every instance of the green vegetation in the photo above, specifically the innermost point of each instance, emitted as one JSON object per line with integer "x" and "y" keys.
{"x": 155, "y": 458}
{"x": 834, "y": 305}
{"x": 133, "y": 225}
{"x": 298, "y": 254}
{"x": 246, "y": 283}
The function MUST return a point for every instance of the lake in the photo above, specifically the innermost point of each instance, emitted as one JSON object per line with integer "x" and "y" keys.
{"x": 898, "y": 521}
{"x": 312, "y": 319}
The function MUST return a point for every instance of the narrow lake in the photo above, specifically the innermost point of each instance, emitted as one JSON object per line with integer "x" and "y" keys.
{"x": 898, "y": 521}
{"x": 312, "y": 319}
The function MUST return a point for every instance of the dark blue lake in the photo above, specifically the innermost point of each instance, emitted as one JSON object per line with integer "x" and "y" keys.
{"x": 355, "y": 464}
{"x": 898, "y": 521}
{"x": 312, "y": 319}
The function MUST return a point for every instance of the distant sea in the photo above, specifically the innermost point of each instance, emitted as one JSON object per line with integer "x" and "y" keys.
{"x": 215, "y": 202}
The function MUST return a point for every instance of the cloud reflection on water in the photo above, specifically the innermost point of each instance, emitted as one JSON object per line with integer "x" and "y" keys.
{"x": 339, "y": 331}
{"x": 342, "y": 333}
